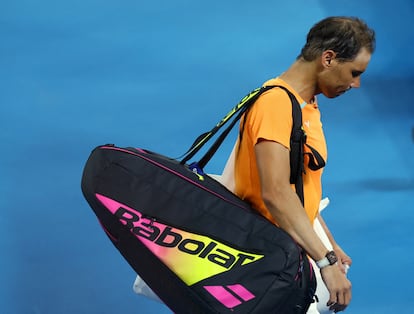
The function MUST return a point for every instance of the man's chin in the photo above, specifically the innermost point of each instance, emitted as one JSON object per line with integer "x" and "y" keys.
{"x": 338, "y": 94}
{"x": 332, "y": 96}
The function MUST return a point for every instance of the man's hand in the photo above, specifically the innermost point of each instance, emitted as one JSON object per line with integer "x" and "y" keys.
{"x": 339, "y": 288}
{"x": 343, "y": 258}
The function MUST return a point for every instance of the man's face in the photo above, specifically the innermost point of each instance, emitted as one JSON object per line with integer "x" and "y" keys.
{"x": 339, "y": 77}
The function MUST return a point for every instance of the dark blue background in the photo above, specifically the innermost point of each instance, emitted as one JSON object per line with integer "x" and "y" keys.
{"x": 81, "y": 73}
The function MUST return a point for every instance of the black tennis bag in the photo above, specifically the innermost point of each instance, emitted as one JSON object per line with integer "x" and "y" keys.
{"x": 198, "y": 246}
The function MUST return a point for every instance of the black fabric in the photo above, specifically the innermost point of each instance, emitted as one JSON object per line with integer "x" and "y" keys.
{"x": 316, "y": 161}
{"x": 167, "y": 192}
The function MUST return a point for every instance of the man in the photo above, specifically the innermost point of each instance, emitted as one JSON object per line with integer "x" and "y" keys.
{"x": 336, "y": 53}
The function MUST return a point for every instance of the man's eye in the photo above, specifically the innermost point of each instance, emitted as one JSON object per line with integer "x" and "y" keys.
{"x": 356, "y": 73}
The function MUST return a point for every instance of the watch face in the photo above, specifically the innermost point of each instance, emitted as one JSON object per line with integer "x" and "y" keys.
{"x": 331, "y": 256}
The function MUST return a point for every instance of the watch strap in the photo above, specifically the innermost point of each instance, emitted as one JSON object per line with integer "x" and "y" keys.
{"x": 329, "y": 259}
{"x": 323, "y": 263}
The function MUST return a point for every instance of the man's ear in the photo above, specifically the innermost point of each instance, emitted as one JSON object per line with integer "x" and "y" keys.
{"x": 328, "y": 56}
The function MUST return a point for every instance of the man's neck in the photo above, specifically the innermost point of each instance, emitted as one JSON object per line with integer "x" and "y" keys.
{"x": 301, "y": 76}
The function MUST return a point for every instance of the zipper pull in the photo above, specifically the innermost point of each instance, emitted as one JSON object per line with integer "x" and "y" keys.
{"x": 195, "y": 168}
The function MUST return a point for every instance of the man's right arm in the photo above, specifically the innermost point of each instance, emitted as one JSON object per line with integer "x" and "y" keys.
{"x": 287, "y": 210}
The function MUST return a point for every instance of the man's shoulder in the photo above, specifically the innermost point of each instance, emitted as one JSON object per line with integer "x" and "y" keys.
{"x": 276, "y": 98}
{"x": 282, "y": 91}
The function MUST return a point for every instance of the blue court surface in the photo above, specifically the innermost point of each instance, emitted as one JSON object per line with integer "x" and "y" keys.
{"x": 81, "y": 73}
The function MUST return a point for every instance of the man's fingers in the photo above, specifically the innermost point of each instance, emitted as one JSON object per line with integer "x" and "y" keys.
{"x": 337, "y": 308}
{"x": 339, "y": 301}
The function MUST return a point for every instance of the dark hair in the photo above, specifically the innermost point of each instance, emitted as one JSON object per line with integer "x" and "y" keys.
{"x": 346, "y": 36}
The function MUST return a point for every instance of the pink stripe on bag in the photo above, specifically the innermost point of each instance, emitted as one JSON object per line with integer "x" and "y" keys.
{"x": 224, "y": 296}
{"x": 242, "y": 292}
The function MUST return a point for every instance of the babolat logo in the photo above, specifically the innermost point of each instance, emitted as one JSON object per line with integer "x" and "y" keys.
{"x": 179, "y": 249}
{"x": 165, "y": 237}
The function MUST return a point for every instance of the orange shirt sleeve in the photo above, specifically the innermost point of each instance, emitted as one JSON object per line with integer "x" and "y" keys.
{"x": 271, "y": 118}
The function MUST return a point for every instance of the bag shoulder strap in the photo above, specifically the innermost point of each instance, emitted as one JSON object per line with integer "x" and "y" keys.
{"x": 297, "y": 139}
{"x": 202, "y": 139}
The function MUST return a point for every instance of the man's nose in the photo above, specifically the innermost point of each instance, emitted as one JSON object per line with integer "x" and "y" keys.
{"x": 356, "y": 82}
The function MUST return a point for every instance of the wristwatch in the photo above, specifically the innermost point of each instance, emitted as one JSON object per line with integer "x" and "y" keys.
{"x": 329, "y": 259}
